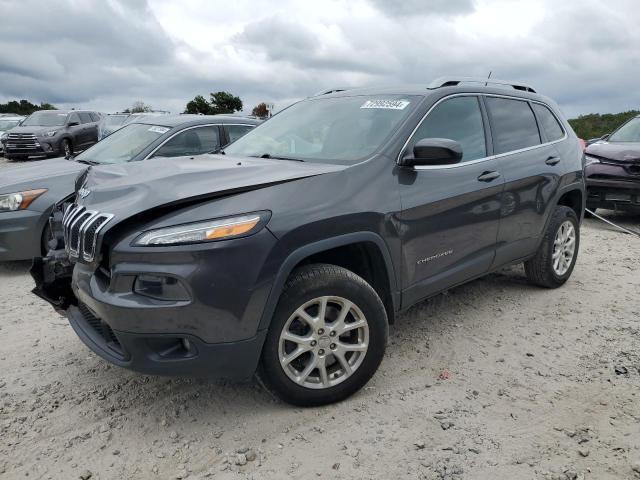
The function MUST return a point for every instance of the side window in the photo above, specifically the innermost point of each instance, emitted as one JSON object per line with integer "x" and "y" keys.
{"x": 192, "y": 141}
{"x": 236, "y": 131}
{"x": 513, "y": 125}
{"x": 458, "y": 119}
{"x": 73, "y": 117}
{"x": 85, "y": 117}
{"x": 549, "y": 122}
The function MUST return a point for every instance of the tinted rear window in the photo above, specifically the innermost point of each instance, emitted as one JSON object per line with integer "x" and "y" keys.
{"x": 513, "y": 124}
{"x": 549, "y": 123}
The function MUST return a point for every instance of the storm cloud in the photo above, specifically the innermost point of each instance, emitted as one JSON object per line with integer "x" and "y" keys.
{"x": 107, "y": 54}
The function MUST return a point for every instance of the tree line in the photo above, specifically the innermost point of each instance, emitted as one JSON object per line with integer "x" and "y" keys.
{"x": 594, "y": 125}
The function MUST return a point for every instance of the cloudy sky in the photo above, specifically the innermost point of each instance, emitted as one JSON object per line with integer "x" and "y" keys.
{"x": 105, "y": 54}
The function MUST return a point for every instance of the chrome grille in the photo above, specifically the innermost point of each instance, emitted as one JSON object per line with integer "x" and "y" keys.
{"x": 81, "y": 228}
{"x": 22, "y": 141}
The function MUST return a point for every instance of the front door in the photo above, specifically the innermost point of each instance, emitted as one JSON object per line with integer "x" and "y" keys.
{"x": 450, "y": 213}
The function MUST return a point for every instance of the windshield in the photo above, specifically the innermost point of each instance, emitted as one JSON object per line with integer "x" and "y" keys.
{"x": 7, "y": 124}
{"x": 115, "y": 120}
{"x": 629, "y": 132}
{"x": 340, "y": 130}
{"x": 45, "y": 119}
{"x": 124, "y": 144}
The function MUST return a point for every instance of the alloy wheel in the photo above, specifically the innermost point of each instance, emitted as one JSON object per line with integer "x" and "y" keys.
{"x": 564, "y": 247}
{"x": 323, "y": 342}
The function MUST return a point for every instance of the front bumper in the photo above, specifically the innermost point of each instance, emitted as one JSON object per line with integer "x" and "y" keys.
{"x": 612, "y": 187}
{"x": 20, "y": 234}
{"x": 166, "y": 354}
{"x": 214, "y": 332}
{"x": 44, "y": 149}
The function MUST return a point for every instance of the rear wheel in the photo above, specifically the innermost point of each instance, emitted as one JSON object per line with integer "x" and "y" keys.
{"x": 327, "y": 337}
{"x": 554, "y": 261}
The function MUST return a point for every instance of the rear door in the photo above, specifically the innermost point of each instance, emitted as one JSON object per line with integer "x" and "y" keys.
{"x": 76, "y": 131}
{"x": 87, "y": 129}
{"x": 449, "y": 219}
{"x": 530, "y": 164}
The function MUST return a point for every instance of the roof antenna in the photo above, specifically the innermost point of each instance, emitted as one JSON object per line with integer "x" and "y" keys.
{"x": 488, "y": 77}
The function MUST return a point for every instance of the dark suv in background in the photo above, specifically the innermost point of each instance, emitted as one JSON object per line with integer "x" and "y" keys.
{"x": 52, "y": 133}
{"x": 613, "y": 169}
{"x": 293, "y": 252}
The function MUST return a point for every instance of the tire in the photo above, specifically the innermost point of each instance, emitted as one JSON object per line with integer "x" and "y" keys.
{"x": 543, "y": 269}
{"x": 340, "y": 290}
{"x": 66, "y": 148}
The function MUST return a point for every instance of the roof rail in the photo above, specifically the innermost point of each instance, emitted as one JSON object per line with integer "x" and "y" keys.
{"x": 328, "y": 91}
{"x": 453, "y": 81}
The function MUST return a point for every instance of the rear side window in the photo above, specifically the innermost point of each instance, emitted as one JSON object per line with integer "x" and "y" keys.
{"x": 236, "y": 131}
{"x": 458, "y": 119}
{"x": 549, "y": 123}
{"x": 513, "y": 125}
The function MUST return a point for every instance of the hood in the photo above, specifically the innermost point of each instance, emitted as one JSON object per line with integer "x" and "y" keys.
{"x": 127, "y": 189}
{"x": 619, "y": 151}
{"x": 35, "y": 129}
{"x": 37, "y": 172}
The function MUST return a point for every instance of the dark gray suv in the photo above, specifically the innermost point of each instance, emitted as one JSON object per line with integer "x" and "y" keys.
{"x": 52, "y": 133}
{"x": 293, "y": 252}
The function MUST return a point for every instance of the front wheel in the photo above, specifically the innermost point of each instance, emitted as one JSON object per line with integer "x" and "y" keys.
{"x": 553, "y": 263}
{"x": 327, "y": 337}
{"x": 65, "y": 148}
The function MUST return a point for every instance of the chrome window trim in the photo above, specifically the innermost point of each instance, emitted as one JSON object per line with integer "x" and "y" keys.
{"x": 483, "y": 159}
{"x": 190, "y": 128}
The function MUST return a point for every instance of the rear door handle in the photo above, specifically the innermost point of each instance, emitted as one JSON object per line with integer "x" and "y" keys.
{"x": 552, "y": 161}
{"x": 489, "y": 176}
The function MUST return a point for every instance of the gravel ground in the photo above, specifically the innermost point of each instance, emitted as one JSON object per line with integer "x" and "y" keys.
{"x": 493, "y": 380}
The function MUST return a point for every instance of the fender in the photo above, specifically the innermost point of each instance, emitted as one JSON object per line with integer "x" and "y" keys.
{"x": 326, "y": 244}
{"x": 578, "y": 186}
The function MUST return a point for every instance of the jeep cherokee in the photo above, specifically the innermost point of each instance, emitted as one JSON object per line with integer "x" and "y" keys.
{"x": 292, "y": 253}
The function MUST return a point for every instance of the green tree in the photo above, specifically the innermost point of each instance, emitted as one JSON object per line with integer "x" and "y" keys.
{"x": 198, "y": 105}
{"x": 219, "y": 102}
{"x": 225, "y": 102}
{"x": 595, "y": 125}
{"x": 23, "y": 107}
{"x": 260, "y": 110}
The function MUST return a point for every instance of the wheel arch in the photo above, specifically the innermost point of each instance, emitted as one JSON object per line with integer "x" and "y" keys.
{"x": 364, "y": 253}
{"x": 575, "y": 199}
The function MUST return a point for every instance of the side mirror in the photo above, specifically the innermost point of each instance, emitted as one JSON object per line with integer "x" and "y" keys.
{"x": 433, "y": 151}
{"x": 605, "y": 137}
{"x": 73, "y": 124}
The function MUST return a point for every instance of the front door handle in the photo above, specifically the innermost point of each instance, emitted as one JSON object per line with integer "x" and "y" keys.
{"x": 552, "y": 161}
{"x": 489, "y": 176}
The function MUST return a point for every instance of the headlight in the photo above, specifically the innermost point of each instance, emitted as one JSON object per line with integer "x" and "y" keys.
{"x": 10, "y": 202}
{"x": 51, "y": 133}
{"x": 588, "y": 160}
{"x": 207, "y": 231}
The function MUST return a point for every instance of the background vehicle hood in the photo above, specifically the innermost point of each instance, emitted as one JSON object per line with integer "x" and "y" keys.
{"x": 35, "y": 129}
{"x": 35, "y": 174}
{"x": 622, "y": 152}
{"x": 127, "y": 189}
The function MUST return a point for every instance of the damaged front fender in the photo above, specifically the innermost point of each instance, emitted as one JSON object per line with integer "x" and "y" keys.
{"x": 52, "y": 275}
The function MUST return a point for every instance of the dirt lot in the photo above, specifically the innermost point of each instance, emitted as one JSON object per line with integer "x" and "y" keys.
{"x": 542, "y": 385}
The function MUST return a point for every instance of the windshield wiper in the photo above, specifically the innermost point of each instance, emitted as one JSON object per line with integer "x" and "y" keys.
{"x": 277, "y": 157}
{"x": 86, "y": 162}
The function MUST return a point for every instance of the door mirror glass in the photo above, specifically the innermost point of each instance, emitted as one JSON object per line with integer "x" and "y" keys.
{"x": 434, "y": 151}
{"x": 605, "y": 137}
{"x": 73, "y": 124}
